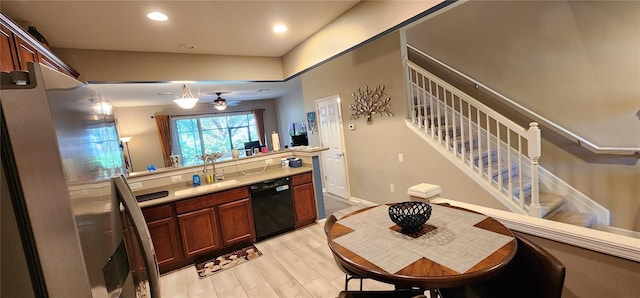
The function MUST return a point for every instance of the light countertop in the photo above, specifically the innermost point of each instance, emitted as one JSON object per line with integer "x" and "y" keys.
{"x": 182, "y": 191}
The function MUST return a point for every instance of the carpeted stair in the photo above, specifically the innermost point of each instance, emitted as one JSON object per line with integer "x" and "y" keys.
{"x": 551, "y": 204}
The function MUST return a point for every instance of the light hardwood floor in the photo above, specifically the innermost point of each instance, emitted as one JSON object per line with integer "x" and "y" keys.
{"x": 295, "y": 264}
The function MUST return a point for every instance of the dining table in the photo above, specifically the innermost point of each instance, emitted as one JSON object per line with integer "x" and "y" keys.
{"x": 454, "y": 248}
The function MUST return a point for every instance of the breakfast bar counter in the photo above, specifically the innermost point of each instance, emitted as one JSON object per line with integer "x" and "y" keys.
{"x": 181, "y": 191}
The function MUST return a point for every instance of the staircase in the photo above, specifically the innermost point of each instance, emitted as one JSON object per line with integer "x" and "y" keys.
{"x": 497, "y": 153}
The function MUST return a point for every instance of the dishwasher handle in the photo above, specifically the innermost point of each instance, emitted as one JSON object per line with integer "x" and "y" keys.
{"x": 278, "y": 184}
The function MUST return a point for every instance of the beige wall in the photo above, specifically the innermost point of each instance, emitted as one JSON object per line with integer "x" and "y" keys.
{"x": 136, "y": 122}
{"x": 372, "y": 150}
{"x": 574, "y": 62}
{"x": 98, "y": 65}
{"x": 548, "y": 75}
{"x": 290, "y": 110}
{"x": 362, "y": 22}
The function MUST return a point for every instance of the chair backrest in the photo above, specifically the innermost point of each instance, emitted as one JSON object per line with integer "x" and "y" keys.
{"x": 538, "y": 269}
{"x": 329, "y": 223}
{"x": 533, "y": 272}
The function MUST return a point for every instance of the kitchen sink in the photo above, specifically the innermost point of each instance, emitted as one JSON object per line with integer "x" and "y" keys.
{"x": 206, "y": 188}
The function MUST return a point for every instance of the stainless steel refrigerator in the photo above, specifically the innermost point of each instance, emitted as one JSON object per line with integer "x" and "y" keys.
{"x": 71, "y": 226}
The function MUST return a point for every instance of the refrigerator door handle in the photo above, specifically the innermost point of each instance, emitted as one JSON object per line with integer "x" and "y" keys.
{"x": 142, "y": 233}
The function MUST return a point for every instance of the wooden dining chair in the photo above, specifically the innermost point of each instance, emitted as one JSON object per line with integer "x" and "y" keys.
{"x": 349, "y": 275}
{"x": 533, "y": 272}
{"x": 409, "y": 293}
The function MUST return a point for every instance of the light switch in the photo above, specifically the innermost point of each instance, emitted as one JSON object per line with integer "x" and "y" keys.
{"x": 400, "y": 157}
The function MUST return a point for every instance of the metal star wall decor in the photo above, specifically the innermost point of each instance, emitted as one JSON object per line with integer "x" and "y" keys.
{"x": 369, "y": 102}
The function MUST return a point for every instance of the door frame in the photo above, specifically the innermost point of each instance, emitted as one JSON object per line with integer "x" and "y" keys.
{"x": 335, "y": 97}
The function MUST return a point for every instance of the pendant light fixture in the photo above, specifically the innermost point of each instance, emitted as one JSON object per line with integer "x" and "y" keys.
{"x": 220, "y": 103}
{"x": 187, "y": 101}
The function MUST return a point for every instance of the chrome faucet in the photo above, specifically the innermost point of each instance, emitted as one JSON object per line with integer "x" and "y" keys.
{"x": 212, "y": 157}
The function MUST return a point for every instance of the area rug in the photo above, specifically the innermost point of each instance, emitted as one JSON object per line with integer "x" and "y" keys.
{"x": 227, "y": 261}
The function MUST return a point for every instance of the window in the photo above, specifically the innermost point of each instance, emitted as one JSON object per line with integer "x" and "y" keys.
{"x": 194, "y": 136}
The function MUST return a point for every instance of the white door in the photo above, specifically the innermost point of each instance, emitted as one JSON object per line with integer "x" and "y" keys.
{"x": 330, "y": 122}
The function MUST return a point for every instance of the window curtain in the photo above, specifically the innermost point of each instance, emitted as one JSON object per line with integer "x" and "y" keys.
{"x": 164, "y": 131}
{"x": 259, "y": 116}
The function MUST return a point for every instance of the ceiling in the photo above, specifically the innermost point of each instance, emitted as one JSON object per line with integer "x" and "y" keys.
{"x": 242, "y": 28}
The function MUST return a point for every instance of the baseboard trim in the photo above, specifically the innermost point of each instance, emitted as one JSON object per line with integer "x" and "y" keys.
{"x": 361, "y": 202}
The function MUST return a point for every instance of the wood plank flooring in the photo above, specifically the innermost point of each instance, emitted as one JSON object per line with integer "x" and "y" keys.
{"x": 295, "y": 264}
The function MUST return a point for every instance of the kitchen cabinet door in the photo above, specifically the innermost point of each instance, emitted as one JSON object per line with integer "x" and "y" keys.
{"x": 26, "y": 53}
{"x": 304, "y": 203}
{"x": 165, "y": 241}
{"x": 162, "y": 226}
{"x": 199, "y": 231}
{"x": 134, "y": 253}
{"x": 236, "y": 222}
{"x": 8, "y": 56}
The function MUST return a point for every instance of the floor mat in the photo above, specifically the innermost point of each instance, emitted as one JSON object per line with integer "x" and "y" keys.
{"x": 227, "y": 261}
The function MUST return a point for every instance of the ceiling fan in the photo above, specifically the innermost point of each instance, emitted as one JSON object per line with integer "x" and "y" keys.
{"x": 220, "y": 103}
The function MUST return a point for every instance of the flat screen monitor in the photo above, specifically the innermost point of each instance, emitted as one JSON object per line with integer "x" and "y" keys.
{"x": 252, "y": 144}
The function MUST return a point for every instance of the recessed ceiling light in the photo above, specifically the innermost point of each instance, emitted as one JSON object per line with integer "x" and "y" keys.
{"x": 157, "y": 16}
{"x": 280, "y": 28}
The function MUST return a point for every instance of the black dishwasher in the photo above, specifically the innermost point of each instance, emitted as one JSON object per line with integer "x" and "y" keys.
{"x": 272, "y": 207}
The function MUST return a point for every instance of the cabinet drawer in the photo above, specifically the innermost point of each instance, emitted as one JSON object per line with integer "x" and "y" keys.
{"x": 301, "y": 178}
{"x": 211, "y": 200}
{"x": 157, "y": 212}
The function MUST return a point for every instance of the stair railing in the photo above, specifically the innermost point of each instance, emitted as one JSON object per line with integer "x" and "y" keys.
{"x": 502, "y": 153}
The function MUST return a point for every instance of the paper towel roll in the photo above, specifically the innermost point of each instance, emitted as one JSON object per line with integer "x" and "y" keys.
{"x": 275, "y": 141}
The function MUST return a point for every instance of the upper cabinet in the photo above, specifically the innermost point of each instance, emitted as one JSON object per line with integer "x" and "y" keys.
{"x": 8, "y": 57}
{"x": 17, "y": 48}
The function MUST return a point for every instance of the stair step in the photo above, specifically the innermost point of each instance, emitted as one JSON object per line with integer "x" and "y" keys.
{"x": 504, "y": 171}
{"x": 484, "y": 156}
{"x": 434, "y": 119}
{"x": 526, "y": 187}
{"x": 572, "y": 217}
{"x": 468, "y": 144}
{"x": 444, "y": 132}
{"x": 548, "y": 202}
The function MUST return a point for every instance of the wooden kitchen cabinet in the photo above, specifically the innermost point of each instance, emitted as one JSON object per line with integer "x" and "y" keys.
{"x": 8, "y": 56}
{"x": 194, "y": 229}
{"x": 136, "y": 262}
{"x": 26, "y": 52}
{"x": 162, "y": 226}
{"x": 18, "y": 47}
{"x": 199, "y": 231}
{"x": 304, "y": 200}
{"x": 236, "y": 222}
{"x": 211, "y": 222}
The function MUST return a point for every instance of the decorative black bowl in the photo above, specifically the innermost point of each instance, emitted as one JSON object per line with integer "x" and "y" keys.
{"x": 411, "y": 215}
